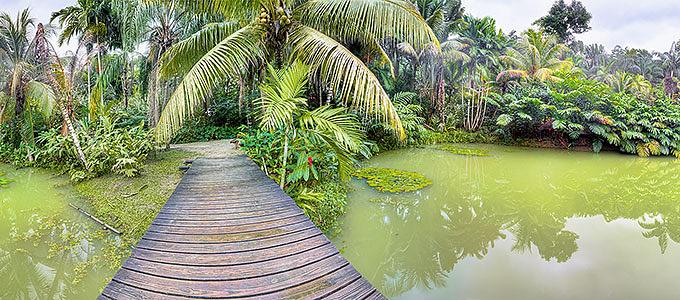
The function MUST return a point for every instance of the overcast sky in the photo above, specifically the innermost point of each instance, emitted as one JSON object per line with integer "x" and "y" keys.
{"x": 649, "y": 24}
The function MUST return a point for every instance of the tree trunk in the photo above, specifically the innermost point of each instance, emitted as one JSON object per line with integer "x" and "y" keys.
{"x": 285, "y": 161}
{"x": 74, "y": 136}
{"x": 241, "y": 92}
{"x": 441, "y": 101}
{"x": 89, "y": 83}
{"x": 154, "y": 110}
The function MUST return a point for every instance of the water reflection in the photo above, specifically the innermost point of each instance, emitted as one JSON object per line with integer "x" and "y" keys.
{"x": 47, "y": 252}
{"x": 527, "y": 198}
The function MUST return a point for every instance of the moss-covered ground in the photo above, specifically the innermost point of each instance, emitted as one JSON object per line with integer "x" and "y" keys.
{"x": 131, "y": 204}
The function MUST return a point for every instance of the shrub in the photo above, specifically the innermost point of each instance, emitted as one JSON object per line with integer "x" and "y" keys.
{"x": 201, "y": 130}
{"x": 577, "y": 109}
{"x": 107, "y": 148}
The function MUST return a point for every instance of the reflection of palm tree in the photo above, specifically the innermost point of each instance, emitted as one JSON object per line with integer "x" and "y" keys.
{"x": 21, "y": 276}
{"x": 663, "y": 229}
{"x": 41, "y": 273}
{"x": 541, "y": 225}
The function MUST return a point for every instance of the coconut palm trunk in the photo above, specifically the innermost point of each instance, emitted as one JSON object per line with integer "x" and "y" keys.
{"x": 54, "y": 72}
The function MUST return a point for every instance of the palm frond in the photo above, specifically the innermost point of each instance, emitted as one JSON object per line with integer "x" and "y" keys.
{"x": 453, "y": 51}
{"x": 346, "y": 74}
{"x": 349, "y": 20}
{"x": 231, "y": 9}
{"x": 41, "y": 96}
{"x": 344, "y": 127}
{"x": 179, "y": 58}
{"x": 282, "y": 95}
{"x": 240, "y": 51}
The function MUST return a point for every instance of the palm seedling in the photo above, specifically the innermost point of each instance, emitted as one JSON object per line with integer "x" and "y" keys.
{"x": 283, "y": 108}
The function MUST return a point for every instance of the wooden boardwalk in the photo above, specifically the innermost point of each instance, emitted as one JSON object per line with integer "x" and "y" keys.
{"x": 228, "y": 231}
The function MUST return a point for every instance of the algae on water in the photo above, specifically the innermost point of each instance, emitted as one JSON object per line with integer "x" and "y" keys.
{"x": 463, "y": 150}
{"x": 398, "y": 202}
{"x": 4, "y": 181}
{"x": 392, "y": 180}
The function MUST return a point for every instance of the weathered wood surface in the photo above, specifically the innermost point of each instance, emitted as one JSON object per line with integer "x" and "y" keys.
{"x": 228, "y": 231}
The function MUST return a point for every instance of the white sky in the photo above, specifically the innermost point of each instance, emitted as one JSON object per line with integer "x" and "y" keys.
{"x": 649, "y": 24}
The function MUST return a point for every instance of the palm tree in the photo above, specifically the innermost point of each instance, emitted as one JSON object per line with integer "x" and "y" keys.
{"x": 284, "y": 108}
{"x": 14, "y": 49}
{"x": 443, "y": 16}
{"x": 92, "y": 22}
{"x": 258, "y": 32}
{"x": 56, "y": 85}
{"x": 483, "y": 43}
{"x": 622, "y": 82}
{"x": 671, "y": 66}
{"x": 536, "y": 56}
{"x": 164, "y": 31}
{"x": 23, "y": 93}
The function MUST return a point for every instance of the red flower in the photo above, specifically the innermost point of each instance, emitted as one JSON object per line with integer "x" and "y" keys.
{"x": 311, "y": 161}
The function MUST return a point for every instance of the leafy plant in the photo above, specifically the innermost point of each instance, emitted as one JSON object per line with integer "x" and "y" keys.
{"x": 108, "y": 148}
{"x": 577, "y": 110}
{"x": 284, "y": 109}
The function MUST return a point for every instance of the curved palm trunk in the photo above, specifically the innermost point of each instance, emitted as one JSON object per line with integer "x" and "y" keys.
{"x": 47, "y": 55}
{"x": 74, "y": 136}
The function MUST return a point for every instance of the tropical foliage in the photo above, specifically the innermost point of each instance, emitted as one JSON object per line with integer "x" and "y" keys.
{"x": 310, "y": 87}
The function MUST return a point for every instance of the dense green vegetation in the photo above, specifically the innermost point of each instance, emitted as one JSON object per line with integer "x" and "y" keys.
{"x": 311, "y": 87}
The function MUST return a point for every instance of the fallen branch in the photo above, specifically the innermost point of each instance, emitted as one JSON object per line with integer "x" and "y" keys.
{"x": 135, "y": 193}
{"x": 107, "y": 226}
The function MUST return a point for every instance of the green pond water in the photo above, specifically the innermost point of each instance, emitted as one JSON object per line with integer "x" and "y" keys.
{"x": 47, "y": 249}
{"x": 520, "y": 224}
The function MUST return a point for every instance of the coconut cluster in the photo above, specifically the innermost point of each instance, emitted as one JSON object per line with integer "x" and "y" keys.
{"x": 281, "y": 16}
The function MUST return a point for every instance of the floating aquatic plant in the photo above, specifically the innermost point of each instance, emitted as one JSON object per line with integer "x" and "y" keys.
{"x": 392, "y": 180}
{"x": 393, "y": 201}
{"x": 4, "y": 181}
{"x": 464, "y": 151}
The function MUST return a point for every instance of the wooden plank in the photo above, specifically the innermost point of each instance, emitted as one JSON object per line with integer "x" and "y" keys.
{"x": 120, "y": 291}
{"x": 235, "y": 216}
{"x": 272, "y": 215}
{"x": 216, "y": 238}
{"x": 230, "y": 258}
{"x": 270, "y": 265}
{"x": 236, "y": 209}
{"x": 319, "y": 287}
{"x": 228, "y": 231}
{"x": 358, "y": 289}
{"x": 266, "y": 243}
{"x": 235, "y": 229}
{"x": 240, "y": 288}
